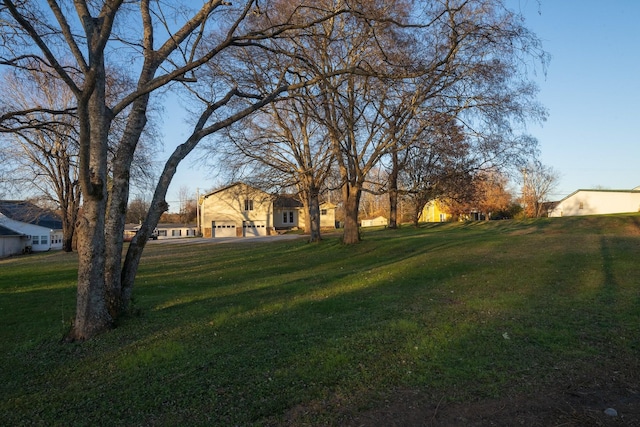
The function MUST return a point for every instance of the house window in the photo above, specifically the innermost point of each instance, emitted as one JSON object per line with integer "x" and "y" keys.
{"x": 44, "y": 240}
{"x": 162, "y": 233}
{"x": 581, "y": 205}
{"x": 323, "y": 211}
{"x": 176, "y": 233}
{"x": 248, "y": 205}
{"x": 35, "y": 240}
{"x": 443, "y": 217}
{"x": 287, "y": 217}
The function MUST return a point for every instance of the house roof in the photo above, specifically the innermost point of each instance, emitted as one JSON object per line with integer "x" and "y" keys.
{"x": 27, "y": 212}
{"x": 227, "y": 187}
{"x": 287, "y": 201}
{"x": 600, "y": 190}
{"x": 4, "y": 231}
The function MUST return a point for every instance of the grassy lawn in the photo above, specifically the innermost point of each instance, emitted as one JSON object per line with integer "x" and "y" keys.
{"x": 290, "y": 333}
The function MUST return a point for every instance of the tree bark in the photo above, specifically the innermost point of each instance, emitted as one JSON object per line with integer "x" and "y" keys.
{"x": 314, "y": 215}
{"x": 351, "y": 197}
{"x": 117, "y": 207}
{"x": 393, "y": 190}
{"x": 92, "y": 316}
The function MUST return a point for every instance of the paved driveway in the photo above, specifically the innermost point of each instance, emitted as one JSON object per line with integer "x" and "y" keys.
{"x": 255, "y": 239}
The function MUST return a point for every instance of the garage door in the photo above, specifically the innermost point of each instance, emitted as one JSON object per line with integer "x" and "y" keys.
{"x": 254, "y": 228}
{"x": 223, "y": 229}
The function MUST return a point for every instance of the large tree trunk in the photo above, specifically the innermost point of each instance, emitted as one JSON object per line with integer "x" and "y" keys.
{"x": 314, "y": 215}
{"x": 117, "y": 208}
{"x": 92, "y": 316}
{"x": 351, "y": 197}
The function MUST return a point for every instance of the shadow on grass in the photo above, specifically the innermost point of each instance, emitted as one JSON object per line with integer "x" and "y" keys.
{"x": 240, "y": 336}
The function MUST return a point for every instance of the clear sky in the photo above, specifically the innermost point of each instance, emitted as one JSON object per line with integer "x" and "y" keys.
{"x": 591, "y": 91}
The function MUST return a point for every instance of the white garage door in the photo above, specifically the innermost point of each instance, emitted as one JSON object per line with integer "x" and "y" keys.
{"x": 254, "y": 228}
{"x": 223, "y": 229}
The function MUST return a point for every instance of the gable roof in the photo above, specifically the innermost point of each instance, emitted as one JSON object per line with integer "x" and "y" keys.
{"x": 27, "y": 212}
{"x": 7, "y": 232}
{"x": 235, "y": 184}
{"x": 599, "y": 190}
{"x": 287, "y": 201}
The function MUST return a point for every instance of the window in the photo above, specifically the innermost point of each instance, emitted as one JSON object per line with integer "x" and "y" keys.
{"x": 287, "y": 217}
{"x": 44, "y": 240}
{"x": 323, "y": 211}
{"x": 175, "y": 233}
{"x": 35, "y": 240}
{"x": 581, "y": 205}
{"x": 248, "y": 205}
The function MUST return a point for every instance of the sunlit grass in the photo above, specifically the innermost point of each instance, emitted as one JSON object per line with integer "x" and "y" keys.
{"x": 241, "y": 334}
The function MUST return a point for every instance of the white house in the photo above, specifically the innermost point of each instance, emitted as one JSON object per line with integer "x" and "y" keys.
{"x": 163, "y": 231}
{"x": 43, "y": 227}
{"x": 374, "y": 222}
{"x": 598, "y": 202}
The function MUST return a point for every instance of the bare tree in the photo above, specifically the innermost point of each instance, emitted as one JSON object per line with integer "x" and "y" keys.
{"x": 78, "y": 43}
{"x": 539, "y": 182}
{"x": 289, "y": 142}
{"x": 461, "y": 59}
{"x": 44, "y": 152}
{"x": 137, "y": 210}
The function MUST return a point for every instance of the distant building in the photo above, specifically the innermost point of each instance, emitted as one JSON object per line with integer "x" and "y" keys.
{"x": 374, "y": 222}
{"x": 240, "y": 210}
{"x": 42, "y": 228}
{"x": 435, "y": 211}
{"x": 598, "y": 202}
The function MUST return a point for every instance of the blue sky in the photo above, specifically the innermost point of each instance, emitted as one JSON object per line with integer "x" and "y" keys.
{"x": 591, "y": 91}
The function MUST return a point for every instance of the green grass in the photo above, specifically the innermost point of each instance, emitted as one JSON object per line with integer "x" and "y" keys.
{"x": 247, "y": 334}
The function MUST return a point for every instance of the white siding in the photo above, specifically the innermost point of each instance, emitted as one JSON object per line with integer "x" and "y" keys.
{"x": 41, "y": 237}
{"x": 597, "y": 202}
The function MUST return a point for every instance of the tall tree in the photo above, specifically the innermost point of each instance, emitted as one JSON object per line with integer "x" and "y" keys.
{"x": 286, "y": 138}
{"x": 163, "y": 44}
{"x": 44, "y": 152}
{"x": 461, "y": 58}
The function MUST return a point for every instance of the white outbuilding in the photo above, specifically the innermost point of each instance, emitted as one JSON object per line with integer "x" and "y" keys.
{"x": 598, "y": 202}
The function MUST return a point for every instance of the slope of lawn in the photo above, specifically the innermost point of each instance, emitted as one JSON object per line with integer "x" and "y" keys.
{"x": 290, "y": 333}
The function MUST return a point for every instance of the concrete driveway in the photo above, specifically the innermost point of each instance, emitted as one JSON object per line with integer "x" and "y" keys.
{"x": 256, "y": 239}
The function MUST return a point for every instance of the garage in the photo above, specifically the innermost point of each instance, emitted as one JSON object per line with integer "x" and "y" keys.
{"x": 223, "y": 229}
{"x": 254, "y": 228}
